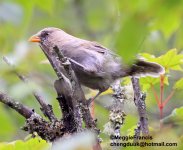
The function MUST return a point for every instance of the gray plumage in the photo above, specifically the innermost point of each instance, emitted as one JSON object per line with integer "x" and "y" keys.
{"x": 97, "y": 67}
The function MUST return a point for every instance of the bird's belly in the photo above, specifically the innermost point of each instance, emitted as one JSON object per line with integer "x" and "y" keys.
{"x": 94, "y": 82}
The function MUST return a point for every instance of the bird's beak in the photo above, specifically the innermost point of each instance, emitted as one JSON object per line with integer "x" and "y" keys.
{"x": 34, "y": 38}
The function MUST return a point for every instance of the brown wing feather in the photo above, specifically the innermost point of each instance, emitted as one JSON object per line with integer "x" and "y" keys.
{"x": 100, "y": 48}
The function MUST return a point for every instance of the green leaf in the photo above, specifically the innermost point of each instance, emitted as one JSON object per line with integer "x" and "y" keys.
{"x": 175, "y": 117}
{"x": 171, "y": 60}
{"x": 178, "y": 85}
{"x": 32, "y": 144}
{"x": 148, "y": 56}
{"x": 146, "y": 82}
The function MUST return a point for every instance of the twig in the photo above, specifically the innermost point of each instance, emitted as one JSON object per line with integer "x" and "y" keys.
{"x": 139, "y": 99}
{"x": 20, "y": 108}
{"x": 59, "y": 70}
{"x": 66, "y": 105}
{"x": 155, "y": 94}
{"x": 168, "y": 98}
{"x": 117, "y": 114}
{"x": 49, "y": 131}
{"x": 45, "y": 108}
{"x": 162, "y": 77}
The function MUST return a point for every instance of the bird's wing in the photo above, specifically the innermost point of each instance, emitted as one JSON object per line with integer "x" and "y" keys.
{"x": 87, "y": 70}
{"x": 98, "y": 48}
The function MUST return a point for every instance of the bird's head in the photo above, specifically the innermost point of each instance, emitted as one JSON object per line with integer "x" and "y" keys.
{"x": 49, "y": 37}
{"x": 46, "y": 35}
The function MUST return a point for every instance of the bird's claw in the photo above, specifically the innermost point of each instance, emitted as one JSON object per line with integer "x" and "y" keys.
{"x": 66, "y": 63}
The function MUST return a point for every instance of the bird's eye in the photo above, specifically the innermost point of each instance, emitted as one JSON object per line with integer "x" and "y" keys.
{"x": 44, "y": 34}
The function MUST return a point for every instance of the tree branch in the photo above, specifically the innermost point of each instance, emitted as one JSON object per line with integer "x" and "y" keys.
{"x": 69, "y": 88}
{"x": 117, "y": 114}
{"x": 71, "y": 99}
{"x": 78, "y": 93}
{"x": 20, "y": 108}
{"x": 139, "y": 99}
{"x": 45, "y": 108}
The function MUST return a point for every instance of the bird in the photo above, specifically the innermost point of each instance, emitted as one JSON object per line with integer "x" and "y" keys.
{"x": 95, "y": 66}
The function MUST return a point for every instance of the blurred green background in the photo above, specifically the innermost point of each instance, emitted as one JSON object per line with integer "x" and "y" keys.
{"x": 127, "y": 27}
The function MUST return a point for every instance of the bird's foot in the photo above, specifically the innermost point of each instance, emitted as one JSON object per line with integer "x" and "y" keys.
{"x": 90, "y": 104}
{"x": 89, "y": 101}
{"x": 66, "y": 63}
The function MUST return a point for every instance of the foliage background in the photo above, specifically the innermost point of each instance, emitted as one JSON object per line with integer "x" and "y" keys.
{"x": 125, "y": 26}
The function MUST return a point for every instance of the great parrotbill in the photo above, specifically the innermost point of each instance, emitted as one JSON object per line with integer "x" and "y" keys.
{"x": 96, "y": 66}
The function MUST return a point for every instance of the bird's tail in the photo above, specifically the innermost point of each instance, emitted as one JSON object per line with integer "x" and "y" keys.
{"x": 143, "y": 68}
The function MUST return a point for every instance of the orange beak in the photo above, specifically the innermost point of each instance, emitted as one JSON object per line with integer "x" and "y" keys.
{"x": 34, "y": 39}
